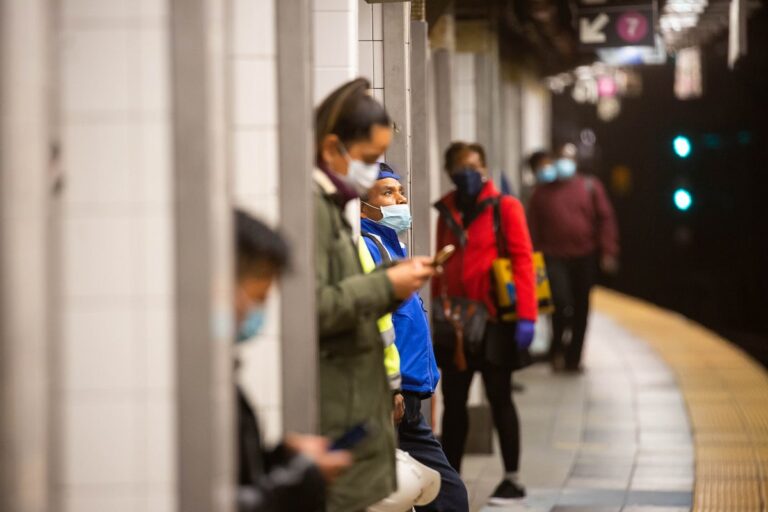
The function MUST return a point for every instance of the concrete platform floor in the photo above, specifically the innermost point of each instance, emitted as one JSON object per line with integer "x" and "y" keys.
{"x": 615, "y": 439}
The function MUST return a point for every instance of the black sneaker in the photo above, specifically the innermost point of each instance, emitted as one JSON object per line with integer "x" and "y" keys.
{"x": 506, "y": 492}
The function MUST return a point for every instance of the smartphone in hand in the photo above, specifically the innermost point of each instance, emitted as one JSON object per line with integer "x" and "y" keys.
{"x": 443, "y": 255}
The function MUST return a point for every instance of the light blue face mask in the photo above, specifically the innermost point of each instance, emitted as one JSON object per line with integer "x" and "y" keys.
{"x": 396, "y": 216}
{"x": 252, "y": 324}
{"x": 546, "y": 174}
{"x": 566, "y": 168}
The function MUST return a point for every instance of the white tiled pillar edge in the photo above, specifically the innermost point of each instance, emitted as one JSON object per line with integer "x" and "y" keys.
{"x": 253, "y": 63}
{"x": 335, "y": 44}
{"x": 117, "y": 389}
{"x": 464, "y": 97}
{"x": 370, "y": 33}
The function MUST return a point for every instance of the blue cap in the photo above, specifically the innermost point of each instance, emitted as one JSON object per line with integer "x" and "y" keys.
{"x": 385, "y": 171}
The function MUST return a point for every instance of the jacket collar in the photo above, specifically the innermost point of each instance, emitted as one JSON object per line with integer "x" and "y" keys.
{"x": 386, "y": 234}
{"x": 324, "y": 182}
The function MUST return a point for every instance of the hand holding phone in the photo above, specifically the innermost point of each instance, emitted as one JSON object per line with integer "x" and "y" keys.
{"x": 351, "y": 437}
{"x": 443, "y": 255}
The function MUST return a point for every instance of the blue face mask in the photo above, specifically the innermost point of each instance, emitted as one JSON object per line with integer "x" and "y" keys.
{"x": 396, "y": 216}
{"x": 252, "y": 324}
{"x": 566, "y": 168}
{"x": 546, "y": 174}
{"x": 468, "y": 182}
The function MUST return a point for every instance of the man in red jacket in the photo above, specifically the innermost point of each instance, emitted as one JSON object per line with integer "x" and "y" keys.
{"x": 573, "y": 224}
{"x": 467, "y": 221}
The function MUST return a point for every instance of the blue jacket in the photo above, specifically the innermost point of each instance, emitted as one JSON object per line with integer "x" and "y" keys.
{"x": 412, "y": 336}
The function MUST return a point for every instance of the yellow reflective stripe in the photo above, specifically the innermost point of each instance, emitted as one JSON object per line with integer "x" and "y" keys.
{"x": 392, "y": 365}
{"x": 369, "y": 265}
{"x": 387, "y": 329}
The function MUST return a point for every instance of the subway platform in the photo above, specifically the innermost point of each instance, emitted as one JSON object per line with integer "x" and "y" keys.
{"x": 668, "y": 417}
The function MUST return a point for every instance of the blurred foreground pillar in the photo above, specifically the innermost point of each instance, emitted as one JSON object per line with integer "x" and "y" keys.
{"x": 204, "y": 270}
{"x": 24, "y": 291}
{"x": 296, "y": 141}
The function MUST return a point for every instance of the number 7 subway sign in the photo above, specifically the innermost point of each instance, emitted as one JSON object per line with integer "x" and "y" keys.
{"x": 611, "y": 23}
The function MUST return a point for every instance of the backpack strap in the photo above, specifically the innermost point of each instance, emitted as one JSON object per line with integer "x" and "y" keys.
{"x": 447, "y": 216}
{"x": 498, "y": 229}
{"x": 385, "y": 257}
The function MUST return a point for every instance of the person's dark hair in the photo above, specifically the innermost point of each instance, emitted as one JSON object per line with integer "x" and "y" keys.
{"x": 260, "y": 250}
{"x": 452, "y": 154}
{"x": 480, "y": 150}
{"x": 349, "y": 112}
{"x": 536, "y": 158}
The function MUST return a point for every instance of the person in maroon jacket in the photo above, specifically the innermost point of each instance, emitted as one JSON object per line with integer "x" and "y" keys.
{"x": 573, "y": 224}
{"x": 468, "y": 274}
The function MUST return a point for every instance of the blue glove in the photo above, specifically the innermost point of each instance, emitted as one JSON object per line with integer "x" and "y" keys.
{"x": 524, "y": 333}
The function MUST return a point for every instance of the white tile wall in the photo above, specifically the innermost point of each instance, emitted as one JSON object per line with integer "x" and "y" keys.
{"x": 255, "y": 92}
{"x": 464, "y": 99}
{"x": 255, "y": 184}
{"x": 336, "y": 25}
{"x": 370, "y": 46}
{"x": 117, "y": 367}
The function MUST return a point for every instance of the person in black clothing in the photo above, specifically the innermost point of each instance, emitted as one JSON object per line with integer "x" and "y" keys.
{"x": 291, "y": 477}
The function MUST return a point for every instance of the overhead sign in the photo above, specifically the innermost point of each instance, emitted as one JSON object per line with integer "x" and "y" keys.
{"x": 611, "y": 24}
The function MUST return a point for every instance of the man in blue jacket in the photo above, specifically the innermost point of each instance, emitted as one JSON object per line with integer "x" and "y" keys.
{"x": 385, "y": 213}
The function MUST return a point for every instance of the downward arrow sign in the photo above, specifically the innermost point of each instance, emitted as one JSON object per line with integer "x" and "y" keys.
{"x": 591, "y": 32}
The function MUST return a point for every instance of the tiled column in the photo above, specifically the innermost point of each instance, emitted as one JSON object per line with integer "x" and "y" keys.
{"x": 511, "y": 132}
{"x": 116, "y": 392}
{"x": 299, "y": 346}
{"x": 396, "y": 22}
{"x": 26, "y": 249}
{"x": 204, "y": 256}
{"x": 536, "y": 114}
{"x": 370, "y": 34}
{"x": 335, "y": 24}
{"x": 254, "y": 126}
{"x": 464, "y": 97}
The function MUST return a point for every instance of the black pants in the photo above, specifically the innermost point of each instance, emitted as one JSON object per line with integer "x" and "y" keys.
{"x": 571, "y": 280}
{"x": 498, "y": 389}
{"x": 417, "y": 438}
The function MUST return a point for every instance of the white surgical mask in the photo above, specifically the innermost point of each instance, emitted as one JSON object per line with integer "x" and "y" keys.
{"x": 396, "y": 216}
{"x": 566, "y": 168}
{"x": 360, "y": 175}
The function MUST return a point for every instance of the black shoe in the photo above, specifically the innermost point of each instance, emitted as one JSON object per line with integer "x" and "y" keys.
{"x": 506, "y": 492}
{"x": 574, "y": 369}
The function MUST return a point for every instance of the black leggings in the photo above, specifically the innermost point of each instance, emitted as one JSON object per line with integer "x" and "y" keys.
{"x": 498, "y": 389}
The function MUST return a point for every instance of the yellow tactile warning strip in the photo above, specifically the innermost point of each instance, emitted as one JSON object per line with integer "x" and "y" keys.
{"x": 726, "y": 393}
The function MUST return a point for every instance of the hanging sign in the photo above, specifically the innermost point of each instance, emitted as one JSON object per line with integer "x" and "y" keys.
{"x": 610, "y": 24}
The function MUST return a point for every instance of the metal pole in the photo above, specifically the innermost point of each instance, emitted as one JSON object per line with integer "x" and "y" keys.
{"x": 204, "y": 270}
{"x": 24, "y": 239}
{"x": 396, "y": 23}
{"x": 296, "y": 153}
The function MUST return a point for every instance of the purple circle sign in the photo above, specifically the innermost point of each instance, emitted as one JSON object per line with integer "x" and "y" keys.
{"x": 632, "y": 26}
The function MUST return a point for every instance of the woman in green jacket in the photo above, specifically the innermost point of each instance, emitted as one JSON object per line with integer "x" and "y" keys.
{"x": 352, "y": 131}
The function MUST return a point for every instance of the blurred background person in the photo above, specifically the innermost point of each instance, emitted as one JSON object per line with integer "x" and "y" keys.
{"x": 291, "y": 477}
{"x": 385, "y": 214}
{"x": 467, "y": 221}
{"x": 352, "y": 131}
{"x": 573, "y": 224}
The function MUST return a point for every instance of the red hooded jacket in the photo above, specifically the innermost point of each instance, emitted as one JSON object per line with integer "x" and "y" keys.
{"x": 468, "y": 272}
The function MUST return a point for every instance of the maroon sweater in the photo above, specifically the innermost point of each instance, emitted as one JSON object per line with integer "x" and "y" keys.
{"x": 573, "y": 218}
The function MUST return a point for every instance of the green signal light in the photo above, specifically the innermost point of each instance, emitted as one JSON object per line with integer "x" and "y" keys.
{"x": 682, "y": 146}
{"x": 683, "y": 199}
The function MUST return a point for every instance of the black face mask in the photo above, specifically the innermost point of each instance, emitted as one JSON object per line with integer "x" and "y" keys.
{"x": 468, "y": 182}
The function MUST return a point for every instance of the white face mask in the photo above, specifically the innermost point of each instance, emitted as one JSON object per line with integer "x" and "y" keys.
{"x": 360, "y": 175}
